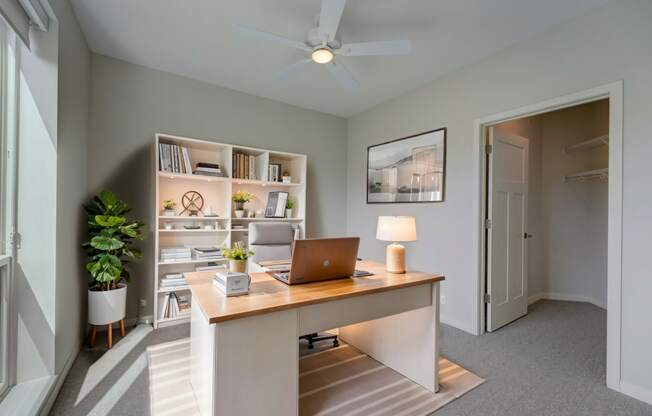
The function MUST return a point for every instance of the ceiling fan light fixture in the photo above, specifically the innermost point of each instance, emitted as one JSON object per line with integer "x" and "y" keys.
{"x": 322, "y": 55}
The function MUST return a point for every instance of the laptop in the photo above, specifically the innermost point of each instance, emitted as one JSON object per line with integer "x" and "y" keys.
{"x": 315, "y": 260}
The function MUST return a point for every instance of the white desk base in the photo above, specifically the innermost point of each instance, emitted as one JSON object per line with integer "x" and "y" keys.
{"x": 249, "y": 366}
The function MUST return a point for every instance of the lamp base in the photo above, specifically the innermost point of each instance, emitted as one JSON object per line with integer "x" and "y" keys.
{"x": 395, "y": 258}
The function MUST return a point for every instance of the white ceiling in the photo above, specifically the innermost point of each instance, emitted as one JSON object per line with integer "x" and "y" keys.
{"x": 194, "y": 38}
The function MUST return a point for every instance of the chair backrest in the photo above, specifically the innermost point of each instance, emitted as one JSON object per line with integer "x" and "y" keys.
{"x": 270, "y": 240}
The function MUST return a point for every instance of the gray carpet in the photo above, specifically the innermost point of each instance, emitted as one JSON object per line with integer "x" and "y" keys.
{"x": 551, "y": 362}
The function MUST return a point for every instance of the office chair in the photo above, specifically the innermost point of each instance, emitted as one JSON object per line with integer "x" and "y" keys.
{"x": 273, "y": 241}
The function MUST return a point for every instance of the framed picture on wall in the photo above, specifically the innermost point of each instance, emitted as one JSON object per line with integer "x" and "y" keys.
{"x": 410, "y": 169}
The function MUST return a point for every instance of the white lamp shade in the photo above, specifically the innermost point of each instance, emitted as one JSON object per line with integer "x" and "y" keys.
{"x": 396, "y": 229}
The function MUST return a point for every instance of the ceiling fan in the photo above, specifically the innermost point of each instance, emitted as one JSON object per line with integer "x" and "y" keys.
{"x": 323, "y": 45}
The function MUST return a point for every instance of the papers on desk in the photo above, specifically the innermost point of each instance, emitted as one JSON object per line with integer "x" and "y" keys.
{"x": 275, "y": 266}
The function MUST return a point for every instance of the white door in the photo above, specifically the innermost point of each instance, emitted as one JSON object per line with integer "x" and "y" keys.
{"x": 507, "y": 233}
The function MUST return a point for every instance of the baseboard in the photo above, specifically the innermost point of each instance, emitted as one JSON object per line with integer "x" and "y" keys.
{"x": 52, "y": 394}
{"x": 635, "y": 391}
{"x": 458, "y": 325}
{"x": 566, "y": 297}
{"x": 129, "y": 322}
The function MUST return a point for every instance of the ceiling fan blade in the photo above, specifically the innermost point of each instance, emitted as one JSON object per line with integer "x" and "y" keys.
{"x": 329, "y": 18}
{"x": 291, "y": 70}
{"x": 272, "y": 37}
{"x": 342, "y": 75}
{"x": 390, "y": 47}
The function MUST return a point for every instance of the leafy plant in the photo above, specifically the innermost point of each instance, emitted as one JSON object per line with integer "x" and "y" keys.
{"x": 238, "y": 252}
{"x": 241, "y": 197}
{"x": 169, "y": 204}
{"x": 112, "y": 236}
{"x": 289, "y": 204}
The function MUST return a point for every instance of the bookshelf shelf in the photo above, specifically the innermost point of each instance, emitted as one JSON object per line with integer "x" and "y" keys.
{"x": 174, "y": 289}
{"x": 185, "y": 262}
{"x": 191, "y": 177}
{"x": 193, "y": 231}
{"x": 181, "y": 317}
{"x": 247, "y": 169}
{"x": 189, "y": 218}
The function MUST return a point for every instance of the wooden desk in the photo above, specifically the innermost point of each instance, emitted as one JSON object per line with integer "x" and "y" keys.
{"x": 244, "y": 350}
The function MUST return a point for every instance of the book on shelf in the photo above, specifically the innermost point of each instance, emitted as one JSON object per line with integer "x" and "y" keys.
{"x": 243, "y": 166}
{"x": 174, "y": 159}
{"x": 175, "y": 254}
{"x": 174, "y": 305}
{"x": 210, "y": 266}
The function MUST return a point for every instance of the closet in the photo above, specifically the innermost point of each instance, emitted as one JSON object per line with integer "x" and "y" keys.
{"x": 567, "y": 202}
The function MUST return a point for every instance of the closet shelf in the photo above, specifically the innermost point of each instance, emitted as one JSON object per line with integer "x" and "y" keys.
{"x": 589, "y": 144}
{"x": 587, "y": 175}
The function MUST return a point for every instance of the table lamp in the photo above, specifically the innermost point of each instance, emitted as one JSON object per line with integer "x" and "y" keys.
{"x": 396, "y": 229}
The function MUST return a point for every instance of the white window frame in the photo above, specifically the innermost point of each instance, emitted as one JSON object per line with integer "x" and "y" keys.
{"x": 8, "y": 199}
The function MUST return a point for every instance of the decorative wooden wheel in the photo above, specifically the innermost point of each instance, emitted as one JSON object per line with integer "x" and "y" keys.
{"x": 192, "y": 202}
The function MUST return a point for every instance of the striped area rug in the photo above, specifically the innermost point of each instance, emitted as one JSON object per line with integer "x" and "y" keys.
{"x": 339, "y": 381}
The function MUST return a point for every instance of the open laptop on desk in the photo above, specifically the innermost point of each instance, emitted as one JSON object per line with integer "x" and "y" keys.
{"x": 315, "y": 260}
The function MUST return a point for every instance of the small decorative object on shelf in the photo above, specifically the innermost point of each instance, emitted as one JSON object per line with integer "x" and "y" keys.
{"x": 286, "y": 177}
{"x": 109, "y": 249}
{"x": 168, "y": 208}
{"x": 240, "y": 198}
{"x": 192, "y": 202}
{"x": 276, "y": 204}
{"x": 168, "y": 226}
{"x": 289, "y": 206}
{"x": 274, "y": 172}
{"x": 237, "y": 257}
{"x": 208, "y": 212}
{"x": 191, "y": 227}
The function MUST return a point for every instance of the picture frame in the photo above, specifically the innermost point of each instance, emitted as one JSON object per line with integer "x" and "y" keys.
{"x": 274, "y": 172}
{"x": 411, "y": 169}
{"x": 276, "y": 201}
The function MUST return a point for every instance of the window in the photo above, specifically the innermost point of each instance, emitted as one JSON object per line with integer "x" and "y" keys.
{"x": 8, "y": 101}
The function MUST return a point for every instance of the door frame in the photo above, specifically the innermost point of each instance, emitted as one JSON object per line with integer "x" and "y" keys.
{"x": 613, "y": 92}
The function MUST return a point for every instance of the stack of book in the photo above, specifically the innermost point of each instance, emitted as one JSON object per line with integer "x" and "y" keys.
{"x": 173, "y": 280}
{"x": 243, "y": 166}
{"x": 173, "y": 158}
{"x": 174, "y": 306}
{"x": 208, "y": 169}
{"x": 207, "y": 253}
{"x": 172, "y": 254}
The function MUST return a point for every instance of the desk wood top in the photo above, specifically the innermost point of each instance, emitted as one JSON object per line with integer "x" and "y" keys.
{"x": 269, "y": 295}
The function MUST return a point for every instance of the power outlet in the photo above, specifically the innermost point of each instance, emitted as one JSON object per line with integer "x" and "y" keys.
{"x": 442, "y": 300}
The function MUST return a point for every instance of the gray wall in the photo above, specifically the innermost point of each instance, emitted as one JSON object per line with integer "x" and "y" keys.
{"x": 72, "y": 183}
{"x": 130, "y": 103}
{"x": 606, "y": 45}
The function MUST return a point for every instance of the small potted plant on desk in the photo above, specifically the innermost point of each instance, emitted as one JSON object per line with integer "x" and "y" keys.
{"x": 240, "y": 198}
{"x": 237, "y": 257}
{"x": 109, "y": 249}
{"x": 289, "y": 206}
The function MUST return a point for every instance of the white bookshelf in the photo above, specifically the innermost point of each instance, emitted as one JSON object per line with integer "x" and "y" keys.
{"x": 217, "y": 193}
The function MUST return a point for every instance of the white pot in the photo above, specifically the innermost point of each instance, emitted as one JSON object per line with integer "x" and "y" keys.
{"x": 169, "y": 212}
{"x": 288, "y": 213}
{"x": 107, "y": 306}
{"x": 239, "y": 213}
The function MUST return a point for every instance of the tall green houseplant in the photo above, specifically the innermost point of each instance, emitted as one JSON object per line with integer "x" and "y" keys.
{"x": 111, "y": 245}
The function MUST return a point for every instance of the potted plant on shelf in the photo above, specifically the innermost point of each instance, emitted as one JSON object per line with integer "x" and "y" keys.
{"x": 168, "y": 208}
{"x": 237, "y": 257}
{"x": 240, "y": 198}
{"x": 110, "y": 249}
{"x": 286, "y": 178}
{"x": 289, "y": 206}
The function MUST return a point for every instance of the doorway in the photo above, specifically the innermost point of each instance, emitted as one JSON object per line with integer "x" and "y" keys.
{"x": 613, "y": 94}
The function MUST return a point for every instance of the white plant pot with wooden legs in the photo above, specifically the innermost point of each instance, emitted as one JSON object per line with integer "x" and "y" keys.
{"x": 107, "y": 306}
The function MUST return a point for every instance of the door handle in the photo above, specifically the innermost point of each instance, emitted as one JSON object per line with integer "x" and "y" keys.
{"x": 526, "y": 236}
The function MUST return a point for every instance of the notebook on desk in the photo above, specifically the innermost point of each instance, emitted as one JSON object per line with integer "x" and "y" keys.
{"x": 315, "y": 260}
